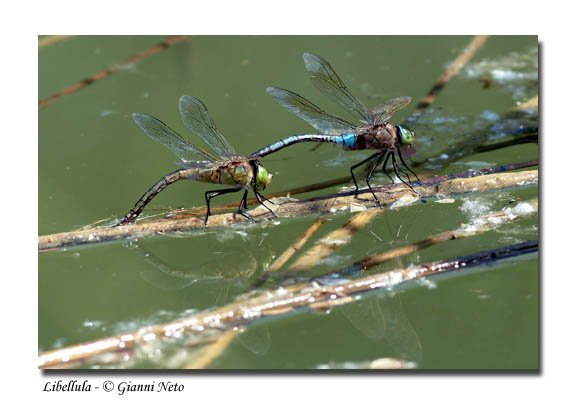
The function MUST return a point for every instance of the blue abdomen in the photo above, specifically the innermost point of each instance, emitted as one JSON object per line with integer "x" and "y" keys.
{"x": 347, "y": 141}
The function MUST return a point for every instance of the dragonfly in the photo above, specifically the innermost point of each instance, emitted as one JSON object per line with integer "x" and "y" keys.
{"x": 374, "y": 133}
{"x": 226, "y": 168}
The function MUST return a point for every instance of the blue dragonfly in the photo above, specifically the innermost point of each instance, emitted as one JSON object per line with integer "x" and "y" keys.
{"x": 374, "y": 133}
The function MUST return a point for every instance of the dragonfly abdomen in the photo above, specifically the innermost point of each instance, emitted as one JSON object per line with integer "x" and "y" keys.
{"x": 347, "y": 141}
{"x": 154, "y": 190}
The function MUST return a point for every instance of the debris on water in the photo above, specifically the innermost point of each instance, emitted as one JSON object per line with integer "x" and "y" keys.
{"x": 475, "y": 206}
{"x": 381, "y": 363}
{"x": 474, "y": 164}
{"x": 392, "y": 363}
{"x": 354, "y": 207}
{"x": 445, "y": 200}
{"x": 339, "y": 209}
{"x": 516, "y": 72}
{"x": 523, "y": 209}
{"x": 428, "y": 283}
{"x": 377, "y": 237}
{"x": 93, "y": 324}
{"x": 490, "y": 115}
{"x": 405, "y": 200}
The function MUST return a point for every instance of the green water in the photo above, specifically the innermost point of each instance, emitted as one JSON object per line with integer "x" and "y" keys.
{"x": 94, "y": 163}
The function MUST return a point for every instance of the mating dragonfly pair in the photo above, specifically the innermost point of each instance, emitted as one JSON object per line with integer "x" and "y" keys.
{"x": 244, "y": 173}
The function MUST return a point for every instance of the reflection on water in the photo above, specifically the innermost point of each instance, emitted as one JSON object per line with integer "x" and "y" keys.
{"x": 78, "y": 156}
{"x": 223, "y": 278}
{"x": 236, "y": 266}
{"x": 381, "y": 318}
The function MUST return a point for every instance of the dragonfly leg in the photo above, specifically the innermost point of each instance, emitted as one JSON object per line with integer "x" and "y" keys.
{"x": 372, "y": 156}
{"x": 405, "y": 164}
{"x": 368, "y": 179}
{"x": 404, "y": 172}
{"x": 266, "y": 199}
{"x": 260, "y": 199}
{"x": 388, "y": 156}
{"x": 211, "y": 194}
{"x": 242, "y": 206}
{"x": 396, "y": 168}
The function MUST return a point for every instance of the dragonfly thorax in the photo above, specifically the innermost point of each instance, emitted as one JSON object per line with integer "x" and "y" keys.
{"x": 377, "y": 137}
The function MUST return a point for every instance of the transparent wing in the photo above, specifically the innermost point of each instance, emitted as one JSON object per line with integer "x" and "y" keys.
{"x": 329, "y": 83}
{"x": 304, "y": 109}
{"x": 158, "y": 131}
{"x": 195, "y": 117}
{"x": 382, "y": 113}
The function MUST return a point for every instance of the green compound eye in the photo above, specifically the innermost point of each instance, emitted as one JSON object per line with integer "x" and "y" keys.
{"x": 263, "y": 178}
{"x": 406, "y": 136}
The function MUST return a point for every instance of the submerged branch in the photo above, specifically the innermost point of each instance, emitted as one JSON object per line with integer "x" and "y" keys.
{"x": 467, "y": 181}
{"x": 167, "y": 43}
{"x": 51, "y": 40}
{"x": 297, "y": 245}
{"x": 325, "y": 246}
{"x": 209, "y": 325}
{"x": 455, "y": 67}
{"x": 477, "y": 225}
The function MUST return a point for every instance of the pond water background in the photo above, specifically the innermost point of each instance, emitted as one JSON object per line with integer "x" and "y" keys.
{"x": 94, "y": 163}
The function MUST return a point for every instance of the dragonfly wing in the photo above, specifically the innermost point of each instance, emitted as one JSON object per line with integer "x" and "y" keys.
{"x": 202, "y": 165}
{"x": 329, "y": 83}
{"x": 382, "y": 113}
{"x": 157, "y": 130}
{"x": 304, "y": 109}
{"x": 196, "y": 118}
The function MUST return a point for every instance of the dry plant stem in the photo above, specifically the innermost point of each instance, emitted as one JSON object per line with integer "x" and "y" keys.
{"x": 345, "y": 202}
{"x": 531, "y": 104}
{"x": 333, "y": 240}
{"x": 204, "y": 325}
{"x": 297, "y": 245}
{"x": 212, "y": 351}
{"x": 252, "y": 201}
{"x": 455, "y": 67}
{"x": 167, "y": 43}
{"x": 478, "y": 225}
{"x": 51, "y": 40}
{"x": 528, "y": 138}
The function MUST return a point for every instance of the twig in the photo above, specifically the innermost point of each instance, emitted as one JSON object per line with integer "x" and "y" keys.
{"x": 476, "y": 226}
{"x": 167, "y": 43}
{"x": 468, "y": 181}
{"x": 51, "y": 40}
{"x": 455, "y": 67}
{"x": 333, "y": 240}
{"x": 212, "y": 351}
{"x": 517, "y": 140}
{"x": 312, "y": 295}
{"x": 297, "y": 245}
{"x": 531, "y": 104}
{"x": 183, "y": 213}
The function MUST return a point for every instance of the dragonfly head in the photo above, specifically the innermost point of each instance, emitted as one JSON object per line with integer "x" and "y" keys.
{"x": 263, "y": 178}
{"x": 406, "y": 136}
